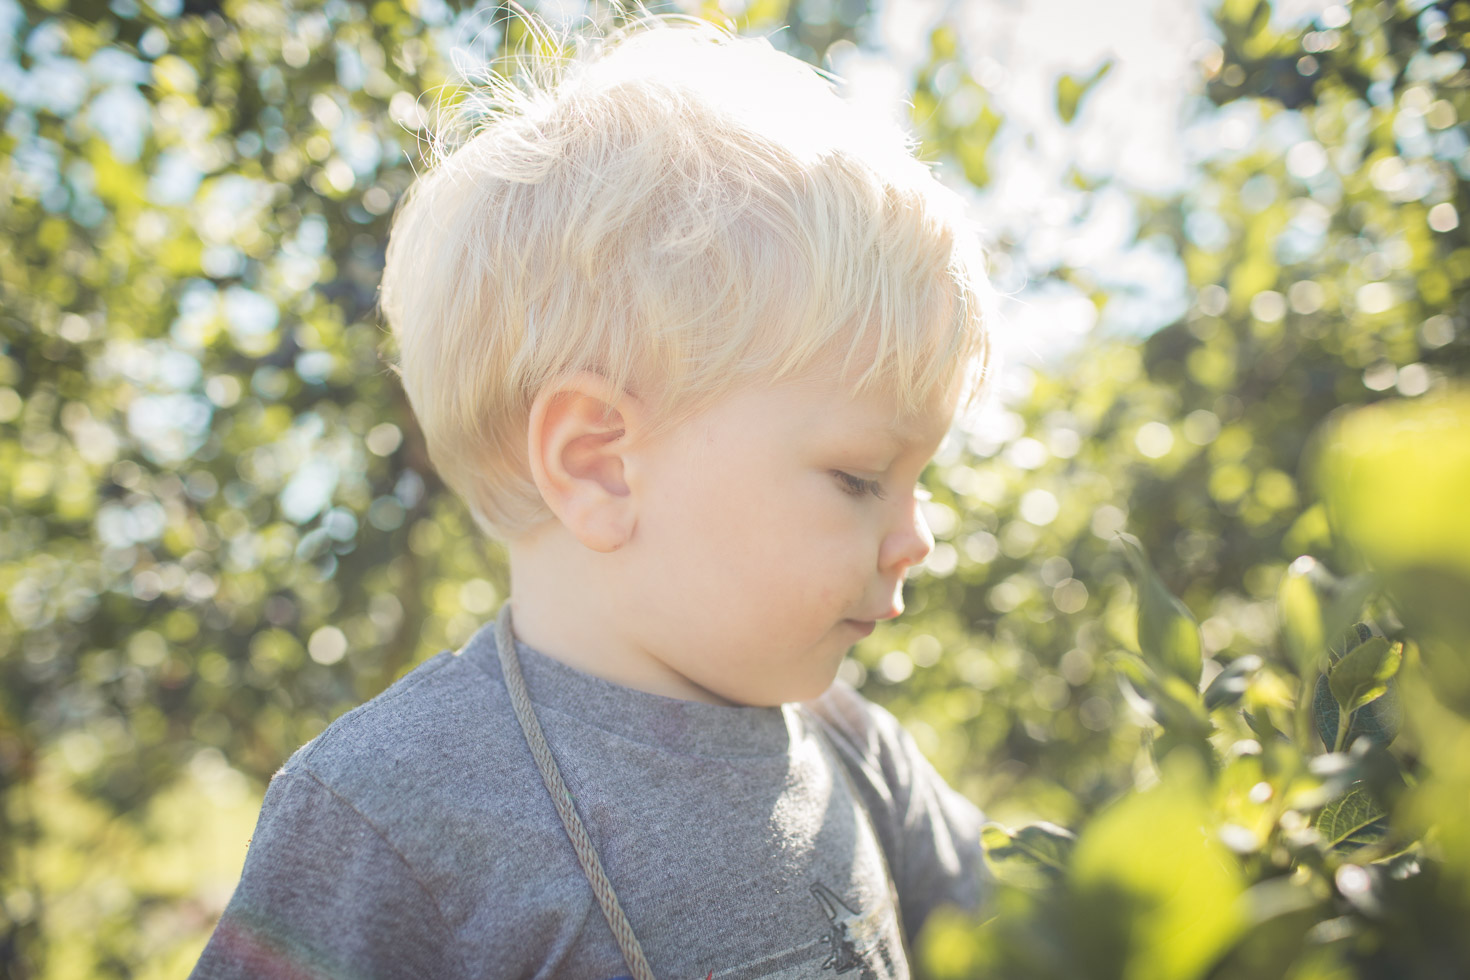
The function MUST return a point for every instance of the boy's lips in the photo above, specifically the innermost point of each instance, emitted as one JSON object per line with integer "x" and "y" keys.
{"x": 865, "y": 626}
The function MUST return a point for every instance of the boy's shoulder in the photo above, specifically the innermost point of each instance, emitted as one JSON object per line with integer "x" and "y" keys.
{"x": 852, "y": 718}
{"x": 442, "y": 738}
{"x": 417, "y": 714}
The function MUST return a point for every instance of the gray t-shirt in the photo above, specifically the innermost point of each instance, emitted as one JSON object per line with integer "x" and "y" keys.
{"x": 414, "y": 837}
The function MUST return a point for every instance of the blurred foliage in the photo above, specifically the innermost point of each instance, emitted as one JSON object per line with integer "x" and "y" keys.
{"x": 1278, "y": 826}
{"x": 219, "y": 530}
{"x": 1217, "y": 833}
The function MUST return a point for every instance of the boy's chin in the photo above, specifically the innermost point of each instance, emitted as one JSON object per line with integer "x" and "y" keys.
{"x": 754, "y": 687}
{"x": 806, "y": 689}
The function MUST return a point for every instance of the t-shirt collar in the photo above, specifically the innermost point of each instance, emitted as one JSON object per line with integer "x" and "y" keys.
{"x": 689, "y": 727}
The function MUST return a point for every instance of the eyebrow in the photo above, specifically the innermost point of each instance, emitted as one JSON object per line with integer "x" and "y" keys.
{"x": 905, "y": 432}
{"x": 897, "y": 436}
{"x": 903, "y": 435}
{"x": 909, "y": 433}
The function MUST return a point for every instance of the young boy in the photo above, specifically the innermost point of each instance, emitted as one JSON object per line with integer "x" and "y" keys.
{"x": 682, "y": 328}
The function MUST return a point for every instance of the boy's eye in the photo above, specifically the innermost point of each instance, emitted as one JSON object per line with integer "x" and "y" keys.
{"x": 858, "y": 487}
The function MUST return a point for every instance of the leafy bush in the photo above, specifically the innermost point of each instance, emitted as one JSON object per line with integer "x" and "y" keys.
{"x": 1299, "y": 815}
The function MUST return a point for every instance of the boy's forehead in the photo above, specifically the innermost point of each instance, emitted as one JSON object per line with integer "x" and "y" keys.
{"x": 909, "y": 430}
{"x": 836, "y": 411}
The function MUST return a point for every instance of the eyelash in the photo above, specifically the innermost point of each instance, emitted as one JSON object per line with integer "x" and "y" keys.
{"x": 858, "y": 487}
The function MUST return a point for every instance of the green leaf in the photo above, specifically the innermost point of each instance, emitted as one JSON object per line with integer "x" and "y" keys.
{"x": 1279, "y": 912}
{"x": 1362, "y": 675}
{"x": 1230, "y": 685}
{"x": 1167, "y": 634}
{"x": 1030, "y": 857}
{"x": 1325, "y": 712}
{"x": 1346, "y": 607}
{"x": 1071, "y": 89}
{"x": 1431, "y": 603}
{"x": 1301, "y": 613}
{"x": 1262, "y": 725}
{"x": 1166, "y": 700}
{"x": 1393, "y": 478}
{"x": 1378, "y": 720}
{"x": 1353, "y": 821}
{"x": 1347, "y": 639}
{"x": 1146, "y": 869}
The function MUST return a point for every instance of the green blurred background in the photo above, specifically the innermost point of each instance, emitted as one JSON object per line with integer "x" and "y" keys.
{"x": 219, "y": 529}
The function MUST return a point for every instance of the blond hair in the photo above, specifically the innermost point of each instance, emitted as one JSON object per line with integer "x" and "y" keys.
{"x": 684, "y": 212}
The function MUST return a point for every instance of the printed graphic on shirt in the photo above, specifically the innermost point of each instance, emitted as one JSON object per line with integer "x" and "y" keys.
{"x": 849, "y": 934}
{"x": 862, "y": 943}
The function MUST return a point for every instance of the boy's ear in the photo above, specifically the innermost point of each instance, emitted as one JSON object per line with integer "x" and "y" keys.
{"x": 578, "y": 435}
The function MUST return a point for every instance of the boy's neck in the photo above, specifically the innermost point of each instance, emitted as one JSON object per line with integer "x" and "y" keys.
{"x": 565, "y": 604}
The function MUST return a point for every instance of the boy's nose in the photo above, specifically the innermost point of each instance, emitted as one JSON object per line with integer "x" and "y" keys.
{"x": 908, "y": 544}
